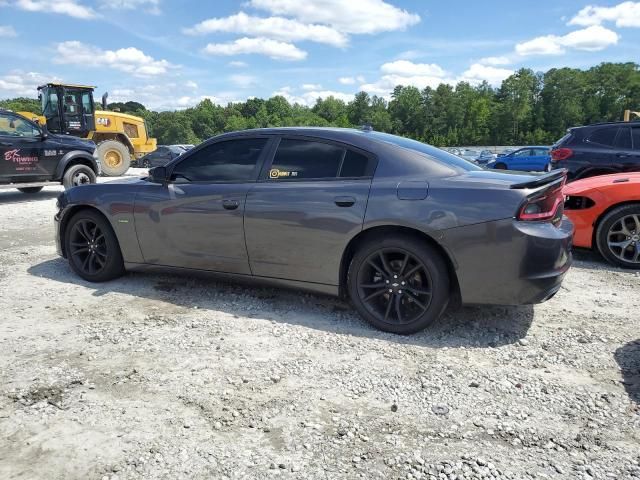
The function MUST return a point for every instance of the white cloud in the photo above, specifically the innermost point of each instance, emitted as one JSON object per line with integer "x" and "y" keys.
{"x": 590, "y": 39}
{"x": 311, "y": 86}
{"x": 238, "y": 64}
{"x": 358, "y": 17}
{"x": 150, "y": 6}
{"x": 351, "y": 80}
{"x": 625, "y": 14}
{"x": 128, "y": 60}
{"x": 262, "y": 46}
{"x": 7, "y": 31}
{"x": 18, "y": 83}
{"x": 191, "y": 84}
{"x": 495, "y": 61}
{"x": 407, "y": 68}
{"x": 309, "y": 97}
{"x": 406, "y": 73}
{"x": 477, "y": 73}
{"x": 273, "y": 27}
{"x": 243, "y": 81}
{"x": 63, "y": 7}
{"x": 154, "y": 96}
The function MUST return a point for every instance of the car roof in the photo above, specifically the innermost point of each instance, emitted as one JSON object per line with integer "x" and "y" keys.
{"x": 606, "y": 124}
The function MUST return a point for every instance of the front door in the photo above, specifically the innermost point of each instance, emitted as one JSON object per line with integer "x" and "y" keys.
{"x": 21, "y": 150}
{"x": 196, "y": 219}
{"x": 311, "y": 202}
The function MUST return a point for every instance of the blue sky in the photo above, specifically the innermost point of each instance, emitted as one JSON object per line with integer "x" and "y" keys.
{"x": 171, "y": 54}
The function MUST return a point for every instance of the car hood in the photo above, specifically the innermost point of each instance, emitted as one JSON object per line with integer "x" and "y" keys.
{"x": 601, "y": 181}
{"x": 74, "y": 142}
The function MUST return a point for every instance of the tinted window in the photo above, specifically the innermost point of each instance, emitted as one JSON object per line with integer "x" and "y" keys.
{"x": 433, "y": 152}
{"x": 355, "y": 165}
{"x": 604, "y": 136}
{"x": 636, "y": 137}
{"x": 624, "y": 139}
{"x": 306, "y": 159}
{"x": 230, "y": 161}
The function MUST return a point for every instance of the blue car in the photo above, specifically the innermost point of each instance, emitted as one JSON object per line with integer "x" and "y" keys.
{"x": 527, "y": 159}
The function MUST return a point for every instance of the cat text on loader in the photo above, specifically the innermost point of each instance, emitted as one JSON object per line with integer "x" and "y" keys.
{"x": 70, "y": 109}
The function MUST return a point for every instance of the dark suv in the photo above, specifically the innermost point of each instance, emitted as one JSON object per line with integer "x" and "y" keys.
{"x": 32, "y": 158}
{"x": 598, "y": 149}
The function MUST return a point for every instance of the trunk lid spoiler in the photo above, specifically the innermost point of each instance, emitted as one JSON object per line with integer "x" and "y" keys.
{"x": 541, "y": 180}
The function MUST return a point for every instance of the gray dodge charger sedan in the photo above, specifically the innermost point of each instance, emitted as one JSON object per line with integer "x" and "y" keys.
{"x": 399, "y": 227}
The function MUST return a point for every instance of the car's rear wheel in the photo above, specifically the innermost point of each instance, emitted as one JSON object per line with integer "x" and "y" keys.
{"x": 92, "y": 247}
{"x": 30, "y": 189}
{"x": 500, "y": 166}
{"x": 618, "y": 236}
{"x": 77, "y": 175}
{"x": 398, "y": 284}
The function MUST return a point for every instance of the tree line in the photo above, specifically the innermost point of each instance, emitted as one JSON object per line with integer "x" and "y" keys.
{"x": 527, "y": 108}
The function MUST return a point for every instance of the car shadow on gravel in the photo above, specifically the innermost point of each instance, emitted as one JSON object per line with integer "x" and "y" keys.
{"x": 628, "y": 358}
{"x": 8, "y": 197}
{"x": 481, "y": 327}
{"x": 588, "y": 259}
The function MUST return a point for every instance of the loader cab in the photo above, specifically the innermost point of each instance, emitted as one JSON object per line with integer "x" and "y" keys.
{"x": 69, "y": 109}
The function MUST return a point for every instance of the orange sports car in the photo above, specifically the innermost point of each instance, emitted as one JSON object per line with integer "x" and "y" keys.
{"x": 606, "y": 213}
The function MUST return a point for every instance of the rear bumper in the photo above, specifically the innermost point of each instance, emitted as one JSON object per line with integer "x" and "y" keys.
{"x": 508, "y": 262}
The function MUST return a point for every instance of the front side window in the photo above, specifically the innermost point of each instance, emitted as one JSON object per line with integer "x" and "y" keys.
{"x": 226, "y": 161}
{"x": 603, "y": 136}
{"x": 87, "y": 106}
{"x": 523, "y": 153}
{"x": 306, "y": 159}
{"x": 17, "y": 127}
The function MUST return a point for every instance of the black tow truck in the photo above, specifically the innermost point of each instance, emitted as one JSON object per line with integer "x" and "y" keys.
{"x": 32, "y": 158}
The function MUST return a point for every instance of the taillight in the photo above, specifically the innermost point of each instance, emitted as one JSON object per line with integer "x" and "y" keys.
{"x": 560, "y": 154}
{"x": 545, "y": 207}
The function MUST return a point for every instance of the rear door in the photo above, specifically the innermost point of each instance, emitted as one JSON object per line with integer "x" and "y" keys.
{"x": 624, "y": 155}
{"x": 601, "y": 152}
{"x": 21, "y": 150}
{"x": 196, "y": 219}
{"x": 310, "y": 201}
{"x": 635, "y": 136}
{"x": 540, "y": 159}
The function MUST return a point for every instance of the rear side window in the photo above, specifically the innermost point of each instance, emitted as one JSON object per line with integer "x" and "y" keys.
{"x": 228, "y": 161}
{"x": 306, "y": 159}
{"x": 603, "y": 136}
{"x": 635, "y": 133}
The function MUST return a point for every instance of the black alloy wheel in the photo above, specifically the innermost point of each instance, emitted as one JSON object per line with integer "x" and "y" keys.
{"x": 92, "y": 247}
{"x": 399, "y": 285}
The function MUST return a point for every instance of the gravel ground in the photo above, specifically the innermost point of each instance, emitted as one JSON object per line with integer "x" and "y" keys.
{"x": 160, "y": 376}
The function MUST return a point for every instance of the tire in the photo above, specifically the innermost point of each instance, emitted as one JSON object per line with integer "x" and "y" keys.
{"x": 77, "y": 175}
{"x": 500, "y": 166}
{"x": 114, "y": 157}
{"x": 618, "y": 236}
{"x": 92, "y": 248}
{"x": 426, "y": 289}
{"x": 30, "y": 190}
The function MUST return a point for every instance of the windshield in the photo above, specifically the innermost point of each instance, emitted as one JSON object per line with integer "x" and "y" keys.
{"x": 49, "y": 100}
{"x": 439, "y": 155}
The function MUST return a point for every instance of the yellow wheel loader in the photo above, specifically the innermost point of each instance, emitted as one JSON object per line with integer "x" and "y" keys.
{"x": 120, "y": 138}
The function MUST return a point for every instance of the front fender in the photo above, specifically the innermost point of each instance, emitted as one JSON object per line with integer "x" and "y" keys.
{"x": 75, "y": 156}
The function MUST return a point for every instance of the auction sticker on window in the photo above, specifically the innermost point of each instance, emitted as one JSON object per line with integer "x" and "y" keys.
{"x": 277, "y": 173}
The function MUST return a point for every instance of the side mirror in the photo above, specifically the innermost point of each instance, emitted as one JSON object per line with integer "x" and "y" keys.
{"x": 44, "y": 132}
{"x": 158, "y": 174}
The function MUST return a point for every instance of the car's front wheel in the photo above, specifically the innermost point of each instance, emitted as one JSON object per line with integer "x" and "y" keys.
{"x": 398, "y": 284}
{"x": 618, "y": 236}
{"x": 92, "y": 247}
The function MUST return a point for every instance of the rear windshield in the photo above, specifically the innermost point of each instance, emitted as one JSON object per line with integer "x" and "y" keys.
{"x": 562, "y": 140}
{"x": 439, "y": 155}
